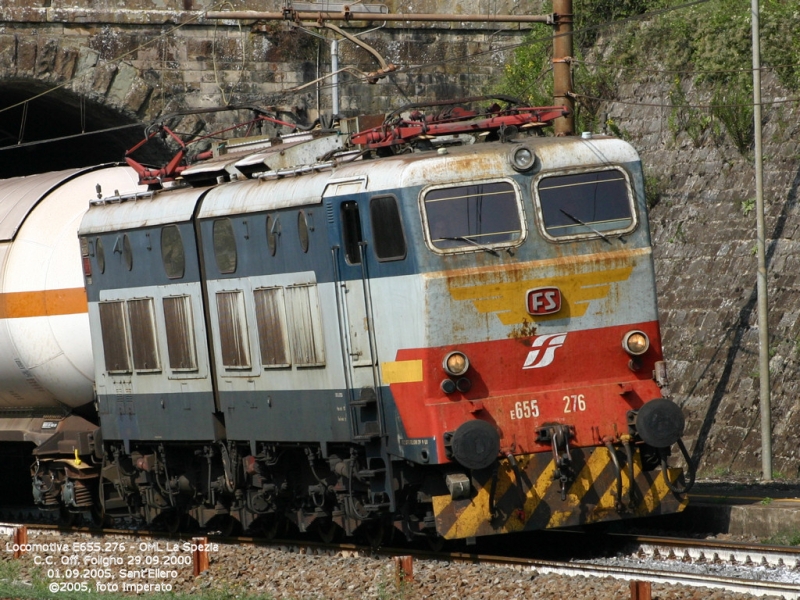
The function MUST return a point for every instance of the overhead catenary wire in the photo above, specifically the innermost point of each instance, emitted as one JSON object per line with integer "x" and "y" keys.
{"x": 683, "y": 71}
{"x": 713, "y": 105}
{"x": 506, "y": 48}
{"x": 69, "y": 137}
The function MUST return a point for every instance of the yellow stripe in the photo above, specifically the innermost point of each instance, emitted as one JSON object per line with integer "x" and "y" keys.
{"x": 48, "y": 303}
{"x": 583, "y": 483}
{"x": 534, "y": 496}
{"x": 591, "y": 259}
{"x": 401, "y": 371}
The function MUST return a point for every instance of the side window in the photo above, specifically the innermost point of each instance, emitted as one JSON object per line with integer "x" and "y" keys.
{"x": 273, "y": 231}
{"x": 224, "y": 246}
{"x": 143, "y": 335}
{"x": 172, "y": 252}
{"x": 585, "y": 204}
{"x": 180, "y": 333}
{"x": 271, "y": 322}
{"x": 351, "y": 232}
{"x": 114, "y": 331}
{"x": 127, "y": 252}
{"x": 100, "y": 255}
{"x": 473, "y": 216}
{"x": 302, "y": 308}
{"x": 302, "y": 230}
{"x": 233, "y": 330}
{"x": 388, "y": 240}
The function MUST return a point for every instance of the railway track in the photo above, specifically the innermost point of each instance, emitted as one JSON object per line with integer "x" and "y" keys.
{"x": 759, "y": 570}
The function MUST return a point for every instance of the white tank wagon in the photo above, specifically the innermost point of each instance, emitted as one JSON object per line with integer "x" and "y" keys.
{"x": 46, "y": 366}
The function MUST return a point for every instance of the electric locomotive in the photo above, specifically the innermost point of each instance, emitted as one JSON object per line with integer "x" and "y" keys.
{"x": 442, "y": 325}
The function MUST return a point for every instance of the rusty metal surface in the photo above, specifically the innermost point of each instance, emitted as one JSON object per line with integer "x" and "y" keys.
{"x": 115, "y": 336}
{"x": 143, "y": 334}
{"x": 181, "y": 346}
{"x": 258, "y": 195}
{"x": 271, "y": 325}
{"x": 233, "y": 330}
{"x": 117, "y": 214}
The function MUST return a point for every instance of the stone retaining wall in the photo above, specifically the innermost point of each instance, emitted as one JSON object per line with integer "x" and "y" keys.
{"x": 154, "y": 57}
{"x": 704, "y": 232}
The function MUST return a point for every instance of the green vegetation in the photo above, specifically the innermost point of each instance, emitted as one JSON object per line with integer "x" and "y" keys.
{"x": 790, "y": 537}
{"x": 703, "y": 51}
{"x": 654, "y": 187}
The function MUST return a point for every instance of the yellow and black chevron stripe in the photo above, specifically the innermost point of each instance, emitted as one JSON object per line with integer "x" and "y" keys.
{"x": 591, "y": 496}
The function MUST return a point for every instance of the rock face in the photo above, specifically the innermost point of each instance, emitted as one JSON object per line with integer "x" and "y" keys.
{"x": 704, "y": 232}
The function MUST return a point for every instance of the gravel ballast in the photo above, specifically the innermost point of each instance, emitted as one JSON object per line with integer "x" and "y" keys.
{"x": 294, "y": 572}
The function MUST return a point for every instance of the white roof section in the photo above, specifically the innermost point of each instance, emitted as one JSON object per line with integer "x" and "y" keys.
{"x": 457, "y": 164}
{"x": 141, "y": 210}
{"x": 482, "y": 161}
{"x": 257, "y": 195}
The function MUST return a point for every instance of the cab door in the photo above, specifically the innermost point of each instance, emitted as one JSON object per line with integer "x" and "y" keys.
{"x": 353, "y": 291}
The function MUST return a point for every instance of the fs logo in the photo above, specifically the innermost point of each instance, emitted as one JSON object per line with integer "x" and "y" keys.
{"x": 544, "y": 300}
{"x": 544, "y": 350}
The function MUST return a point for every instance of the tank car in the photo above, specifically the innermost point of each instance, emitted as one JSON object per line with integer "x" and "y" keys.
{"x": 46, "y": 366}
{"x": 442, "y": 325}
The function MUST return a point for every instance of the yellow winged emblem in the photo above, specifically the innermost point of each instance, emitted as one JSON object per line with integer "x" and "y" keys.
{"x": 503, "y": 292}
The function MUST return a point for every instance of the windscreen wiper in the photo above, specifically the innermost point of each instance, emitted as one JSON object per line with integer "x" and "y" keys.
{"x": 460, "y": 238}
{"x": 577, "y": 220}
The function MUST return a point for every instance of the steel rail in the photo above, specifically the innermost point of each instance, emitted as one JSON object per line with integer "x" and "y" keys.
{"x": 659, "y": 547}
{"x": 714, "y": 550}
{"x": 731, "y": 584}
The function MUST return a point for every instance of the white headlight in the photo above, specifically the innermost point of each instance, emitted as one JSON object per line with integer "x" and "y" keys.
{"x": 522, "y": 158}
{"x": 455, "y": 363}
{"x": 635, "y": 343}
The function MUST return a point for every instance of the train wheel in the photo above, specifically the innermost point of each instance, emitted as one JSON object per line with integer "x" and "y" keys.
{"x": 228, "y": 526}
{"x": 270, "y": 527}
{"x": 328, "y": 532}
{"x": 99, "y": 517}
{"x": 65, "y": 517}
{"x": 435, "y": 542}
{"x": 376, "y": 533}
{"x": 172, "y": 521}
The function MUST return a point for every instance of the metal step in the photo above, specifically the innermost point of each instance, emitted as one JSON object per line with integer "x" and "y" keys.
{"x": 367, "y": 473}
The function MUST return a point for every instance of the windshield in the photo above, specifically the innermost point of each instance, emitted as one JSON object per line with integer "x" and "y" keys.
{"x": 591, "y": 203}
{"x": 473, "y": 216}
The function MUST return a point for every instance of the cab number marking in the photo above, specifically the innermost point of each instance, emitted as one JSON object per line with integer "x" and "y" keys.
{"x": 574, "y": 403}
{"x": 526, "y": 409}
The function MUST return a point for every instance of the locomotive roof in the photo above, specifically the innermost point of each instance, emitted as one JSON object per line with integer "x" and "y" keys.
{"x": 458, "y": 164}
{"x": 141, "y": 210}
{"x": 308, "y": 185}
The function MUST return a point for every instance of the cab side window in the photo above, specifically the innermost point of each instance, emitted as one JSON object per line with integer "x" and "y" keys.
{"x": 389, "y": 241}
